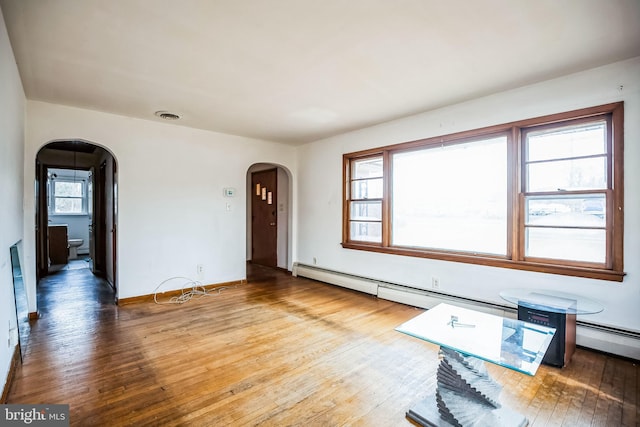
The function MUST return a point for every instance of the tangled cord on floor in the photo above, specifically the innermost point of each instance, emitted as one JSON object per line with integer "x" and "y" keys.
{"x": 190, "y": 289}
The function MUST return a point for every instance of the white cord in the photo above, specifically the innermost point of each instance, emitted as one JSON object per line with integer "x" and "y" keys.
{"x": 195, "y": 290}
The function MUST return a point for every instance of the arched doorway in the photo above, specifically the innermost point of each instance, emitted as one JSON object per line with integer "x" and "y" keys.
{"x": 76, "y": 201}
{"x": 269, "y": 215}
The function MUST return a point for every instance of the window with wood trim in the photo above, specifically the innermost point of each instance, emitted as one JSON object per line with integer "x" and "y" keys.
{"x": 566, "y": 185}
{"x": 69, "y": 197}
{"x": 365, "y": 204}
{"x": 543, "y": 194}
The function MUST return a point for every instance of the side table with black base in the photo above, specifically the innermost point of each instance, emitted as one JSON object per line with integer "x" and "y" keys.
{"x": 554, "y": 309}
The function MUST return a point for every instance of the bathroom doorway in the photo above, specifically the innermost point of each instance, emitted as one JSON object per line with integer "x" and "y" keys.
{"x": 75, "y": 209}
{"x": 69, "y": 201}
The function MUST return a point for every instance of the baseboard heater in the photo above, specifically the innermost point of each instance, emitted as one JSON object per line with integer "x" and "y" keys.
{"x": 604, "y": 338}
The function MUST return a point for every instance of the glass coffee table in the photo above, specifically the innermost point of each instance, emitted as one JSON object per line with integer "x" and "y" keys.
{"x": 465, "y": 393}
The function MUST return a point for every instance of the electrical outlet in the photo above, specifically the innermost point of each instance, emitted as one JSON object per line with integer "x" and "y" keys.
{"x": 200, "y": 270}
{"x": 435, "y": 283}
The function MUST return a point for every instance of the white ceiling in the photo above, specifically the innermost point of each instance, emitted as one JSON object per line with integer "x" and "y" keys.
{"x": 297, "y": 71}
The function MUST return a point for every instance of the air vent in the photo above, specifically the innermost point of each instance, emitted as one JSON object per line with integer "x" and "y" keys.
{"x": 167, "y": 115}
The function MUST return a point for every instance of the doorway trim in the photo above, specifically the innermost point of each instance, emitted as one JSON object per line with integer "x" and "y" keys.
{"x": 58, "y": 156}
{"x": 284, "y": 212}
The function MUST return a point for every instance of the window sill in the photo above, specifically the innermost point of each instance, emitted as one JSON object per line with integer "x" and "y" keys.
{"x": 68, "y": 214}
{"x": 587, "y": 272}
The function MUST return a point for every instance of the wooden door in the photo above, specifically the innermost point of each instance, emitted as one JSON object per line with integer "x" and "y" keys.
{"x": 42, "y": 222}
{"x": 90, "y": 207}
{"x": 99, "y": 221}
{"x": 114, "y": 220}
{"x": 264, "y": 219}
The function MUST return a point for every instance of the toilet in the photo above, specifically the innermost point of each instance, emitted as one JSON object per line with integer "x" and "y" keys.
{"x": 74, "y": 244}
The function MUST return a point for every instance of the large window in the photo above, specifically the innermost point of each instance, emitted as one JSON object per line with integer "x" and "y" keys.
{"x": 467, "y": 208}
{"x": 542, "y": 194}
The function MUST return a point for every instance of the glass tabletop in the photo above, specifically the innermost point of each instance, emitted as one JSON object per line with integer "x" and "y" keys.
{"x": 506, "y": 342}
{"x": 552, "y": 301}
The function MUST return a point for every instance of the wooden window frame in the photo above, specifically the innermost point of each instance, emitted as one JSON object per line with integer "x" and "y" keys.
{"x": 514, "y": 259}
{"x": 82, "y": 198}
{"x": 348, "y": 189}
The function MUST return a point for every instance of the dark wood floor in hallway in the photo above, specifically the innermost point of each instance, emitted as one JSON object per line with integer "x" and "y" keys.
{"x": 276, "y": 351}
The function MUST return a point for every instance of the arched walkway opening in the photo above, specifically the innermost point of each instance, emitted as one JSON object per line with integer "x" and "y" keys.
{"x": 269, "y": 200}
{"x": 76, "y": 209}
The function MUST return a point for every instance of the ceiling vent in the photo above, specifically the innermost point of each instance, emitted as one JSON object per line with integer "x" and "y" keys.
{"x": 167, "y": 115}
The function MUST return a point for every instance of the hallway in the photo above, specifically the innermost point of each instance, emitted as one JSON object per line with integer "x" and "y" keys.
{"x": 71, "y": 306}
{"x": 73, "y": 293}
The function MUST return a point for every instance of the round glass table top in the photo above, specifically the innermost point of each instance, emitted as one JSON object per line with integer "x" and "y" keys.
{"x": 552, "y": 301}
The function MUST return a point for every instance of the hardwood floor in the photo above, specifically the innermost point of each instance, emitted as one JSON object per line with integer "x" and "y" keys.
{"x": 277, "y": 351}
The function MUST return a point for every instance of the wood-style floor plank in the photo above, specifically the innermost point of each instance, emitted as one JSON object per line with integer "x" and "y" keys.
{"x": 276, "y": 351}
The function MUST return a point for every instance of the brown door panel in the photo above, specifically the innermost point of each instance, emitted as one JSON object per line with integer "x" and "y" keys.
{"x": 264, "y": 217}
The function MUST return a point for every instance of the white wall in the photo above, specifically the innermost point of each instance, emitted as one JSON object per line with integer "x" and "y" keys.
{"x": 12, "y": 119}
{"x": 171, "y": 209}
{"x": 319, "y": 193}
{"x": 283, "y": 219}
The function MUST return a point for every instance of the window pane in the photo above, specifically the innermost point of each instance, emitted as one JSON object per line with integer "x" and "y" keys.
{"x": 367, "y": 168}
{"x": 364, "y": 211}
{"x": 580, "y": 174}
{"x": 367, "y": 189}
{"x": 452, "y": 197}
{"x": 477, "y": 235}
{"x": 68, "y": 205}
{"x": 567, "y": 244}
{"x": 584, "y": 211}
{"x": 68, "y": 189}
{"x": 366, "y": 231}
{"x": 570, "y": 141}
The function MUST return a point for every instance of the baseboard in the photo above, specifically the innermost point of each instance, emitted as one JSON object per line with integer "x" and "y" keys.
{"x": 173, "y": 293}
{"x": 602, "y": 338}
{"x": 356, "y": 283}
{"x": 426, "y": 299}
{"x": 12, "y": 371}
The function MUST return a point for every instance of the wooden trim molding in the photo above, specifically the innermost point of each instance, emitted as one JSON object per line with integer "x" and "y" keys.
{"x": 576, "y": 271}
{"x": 173, "y": 293}
{"x": 12, "y": 371}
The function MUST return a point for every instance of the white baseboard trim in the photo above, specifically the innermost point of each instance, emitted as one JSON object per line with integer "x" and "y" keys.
{"x": 356, "y": 283}
{"x": 589, "y": 335}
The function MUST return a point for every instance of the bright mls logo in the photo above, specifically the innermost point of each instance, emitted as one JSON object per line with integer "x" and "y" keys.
{"x": 34, "y": 415}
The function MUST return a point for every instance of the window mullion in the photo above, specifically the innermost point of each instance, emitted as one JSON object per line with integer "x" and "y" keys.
{"x": 386, "y": 199}
{"x": 514, "y": 204}
{"x": 346, "y": 197}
